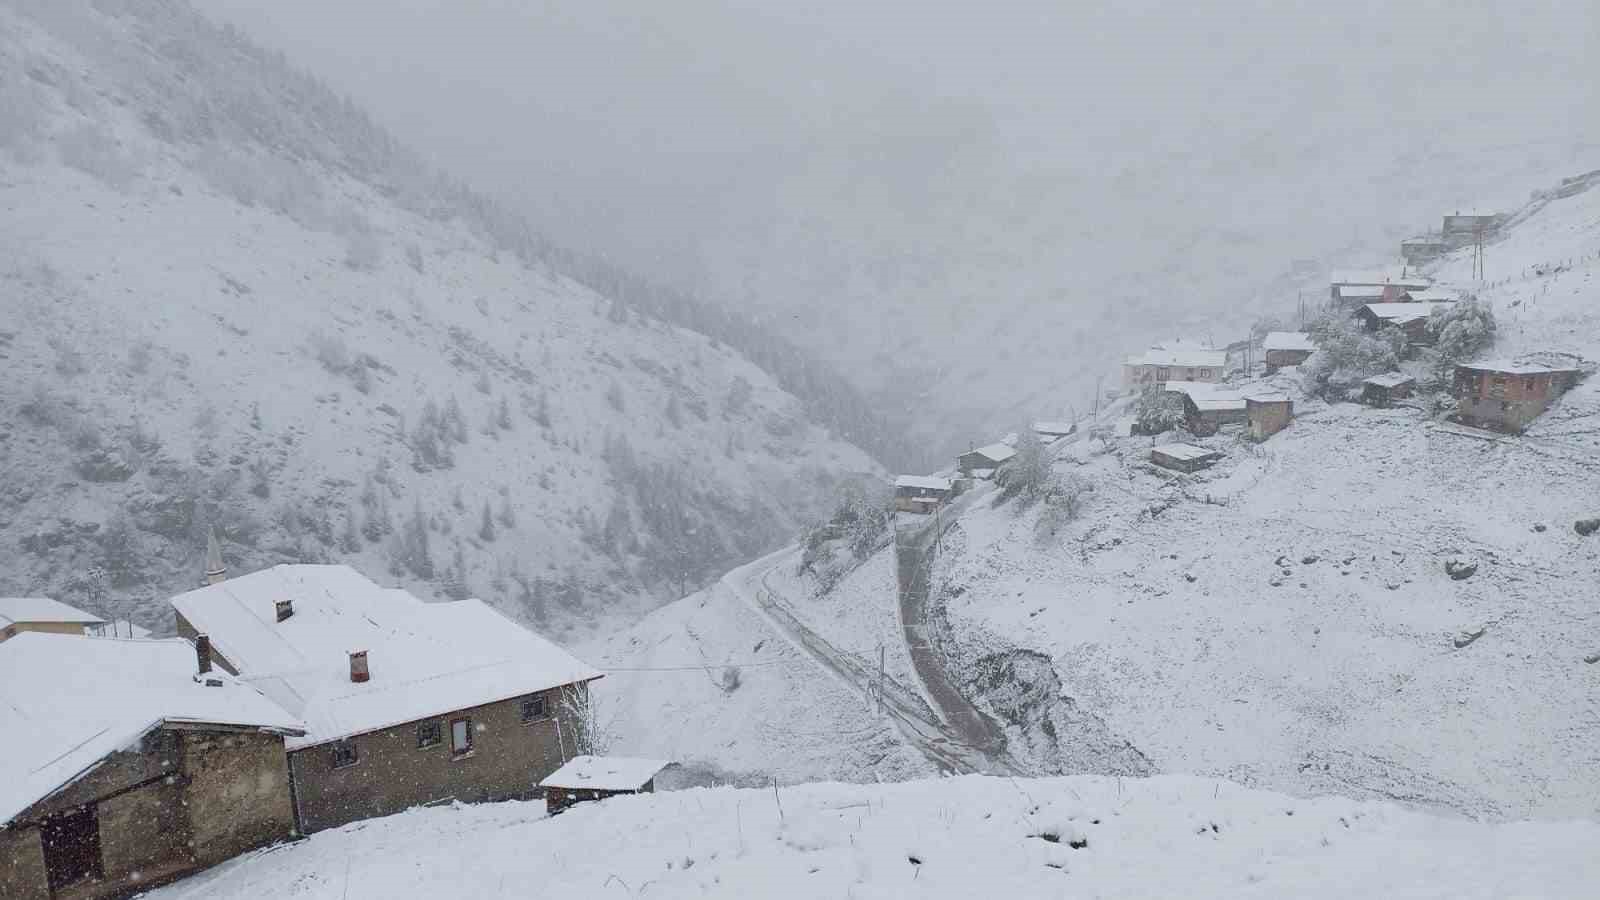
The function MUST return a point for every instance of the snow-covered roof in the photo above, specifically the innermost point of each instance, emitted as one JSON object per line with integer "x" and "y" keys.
{"x": 604, "y": 773}
{"x": 1510, "y": 367}
{"x": 1184, "y": 451}
{"x": 1433, "y": 295}
{"x": 425, "y": 659}
{"x": 42, "y": 609}
{"x": 1198, "y": 359}
{"x": 996, "y": 453}
{"x": 1053, "y": 428}
{"x": 924, "y": 482}
{"x": 1395, "y": 275}
{"x": 1287, "y": 340}
{"x": 1272, "y": 397}
{"x": 1360, "y": 291}
{"x": 1389, "y": 380}
{"x": 1218, "y": 404}
{"x": 1404, "y": 312}
{"x": 68, "y": 701}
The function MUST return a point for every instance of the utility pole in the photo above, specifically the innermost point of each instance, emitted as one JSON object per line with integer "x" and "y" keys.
{"x": 881, "y": 655}
{"x": 1477, "y": 252}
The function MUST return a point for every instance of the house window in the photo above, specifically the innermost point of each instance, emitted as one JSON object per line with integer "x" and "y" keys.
{"x": 533, "y": 709}
{"x": 1205, "y": 373}
{"x": 429, "y": 734}
{"x": 1163, "y": 375}
{"x": 344, "y": 754}
{"x": 460, "y": 736}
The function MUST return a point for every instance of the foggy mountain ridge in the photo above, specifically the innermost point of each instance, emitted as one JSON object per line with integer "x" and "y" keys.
{"x": 228, "y": 300}
{"x": 972, "y": 210}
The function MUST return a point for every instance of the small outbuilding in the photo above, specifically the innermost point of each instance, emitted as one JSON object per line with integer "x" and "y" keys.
{"x": 1462, "y": 228}
{"x": 1286, "y": 348}
{"x": 1423, "y": 249}
{"x": 587, "y": 778}
{"x": 1507, "y": 396}
{"x": 982, "y": 462}
{"x": 1268, "y": 414}
{"x": 921, "y": 493}
{"x": 1183, "y": 457}
{"x": 20, "y": 614}
{"x": 1052, "y": 431}
{"x": 1382, "y": 390}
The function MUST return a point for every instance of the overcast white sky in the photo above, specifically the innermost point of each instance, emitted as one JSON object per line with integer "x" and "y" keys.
{"x": 846, "y": 160}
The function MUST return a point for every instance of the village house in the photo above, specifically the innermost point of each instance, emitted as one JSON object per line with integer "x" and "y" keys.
{"x": 1183, "y": 457}
{"x": 1156, "y": 366}
{"x": 130, "y": 763}
{"x": 1423, "y": 249}
{"x": 1286, "y": 348}
{"x": 1463, "y": 228}
{"x": 1268, "y": 414}
{"x": 982, "y": 462}
{"x": 1410, "y": 318}
{"x": 588, "y": 778}
{"x": 404, "y": 702}
{"x": 1351, "y": 288}
{"x": 20, "y": 614}
{"x": 1431, "y": 295}
{"x": 1382, "y": 390}
{"x": 1207, "y": 408}
{"x": 1507, "y": 396}
{"x": 921, "y": 493}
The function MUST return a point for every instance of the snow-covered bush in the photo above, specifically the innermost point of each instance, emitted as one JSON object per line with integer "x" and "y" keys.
{"x": 1460, "y": 331}
{"x": 1062, "y": 500}
{"x": 1026, "y": 474}
{"x": 1156, "y": 412}
{"x": 1347, "y": 353}
{"x": 860, "y": 524}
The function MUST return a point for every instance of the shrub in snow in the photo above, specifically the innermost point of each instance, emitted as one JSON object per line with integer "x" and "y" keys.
{"x": 859, "y": 525}
{"x": 1460, "y": 331}
{"x": 1027, "y": 473}
{"x": 1156, "y": 412}
{"x": 1063, "y": 497}
{"x": 1348, "y": 353}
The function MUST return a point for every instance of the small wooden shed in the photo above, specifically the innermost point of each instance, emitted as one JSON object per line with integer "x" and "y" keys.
{"x": 1183, "y": 457}
{"x": 1269, "y": 414}
{"x": 1381, "y": 390}
{"x": 921, "y": 493}
{"x": 587, "y": 778}
{"x": 982, "y": 462}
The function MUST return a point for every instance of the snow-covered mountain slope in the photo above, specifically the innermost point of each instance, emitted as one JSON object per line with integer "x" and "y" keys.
{"x": 1285, "y": 618}
{"x": 1170, "y": 836}
{"x": 227, "y": 300}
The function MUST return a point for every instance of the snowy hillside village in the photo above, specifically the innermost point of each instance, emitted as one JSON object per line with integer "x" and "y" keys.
{"x": 357, "y": 540}
{"x": 1202, "y": 576}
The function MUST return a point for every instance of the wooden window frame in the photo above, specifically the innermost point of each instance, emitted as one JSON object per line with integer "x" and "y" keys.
{"x": 456, "y": 752}
{"x": 355, "y": 754}
{"x": 438, "y": 734}
{"x": 544, "y": 709}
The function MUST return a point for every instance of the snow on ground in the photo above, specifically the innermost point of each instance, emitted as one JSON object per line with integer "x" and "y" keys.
{"x": 1082, "y": 836}
{"x": 1285, "y": 618}
{"x": 667, "y": 694}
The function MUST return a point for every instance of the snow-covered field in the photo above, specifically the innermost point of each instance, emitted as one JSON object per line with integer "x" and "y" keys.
{"x": 1169, "y": 836}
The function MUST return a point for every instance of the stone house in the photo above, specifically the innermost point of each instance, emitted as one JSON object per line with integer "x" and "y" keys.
{"x": 1507, "y": 396}
{"x": 20, "y": 614}
{"x": 1462, "y": 228}
{"x": 1286, "y": 348}
{"x": 404, "y": 702}
{"x": 1268, "y": 414}
{"x": 130, "y": 764}
{"x": 1158, "y": 365}
{"x": 587, "y": 778}
{"x": 1352, "y": 288}
{"x": 1423, "y": 249}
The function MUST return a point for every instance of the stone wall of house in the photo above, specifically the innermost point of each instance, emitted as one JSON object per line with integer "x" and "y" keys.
{"x": 22, "y": 874}
{"x": 238, "y": 793}
{"x": 392, "y": 773}
{"x": 144, "y": 834}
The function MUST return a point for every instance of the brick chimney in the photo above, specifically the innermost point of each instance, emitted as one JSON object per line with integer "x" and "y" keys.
{"x": 202, "y": 652}
{"x": 285, "y": 609}
{"x": 358, "y": 666}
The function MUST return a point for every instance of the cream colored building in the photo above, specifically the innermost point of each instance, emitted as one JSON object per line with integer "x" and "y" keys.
{"x": 19, "y": 614}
